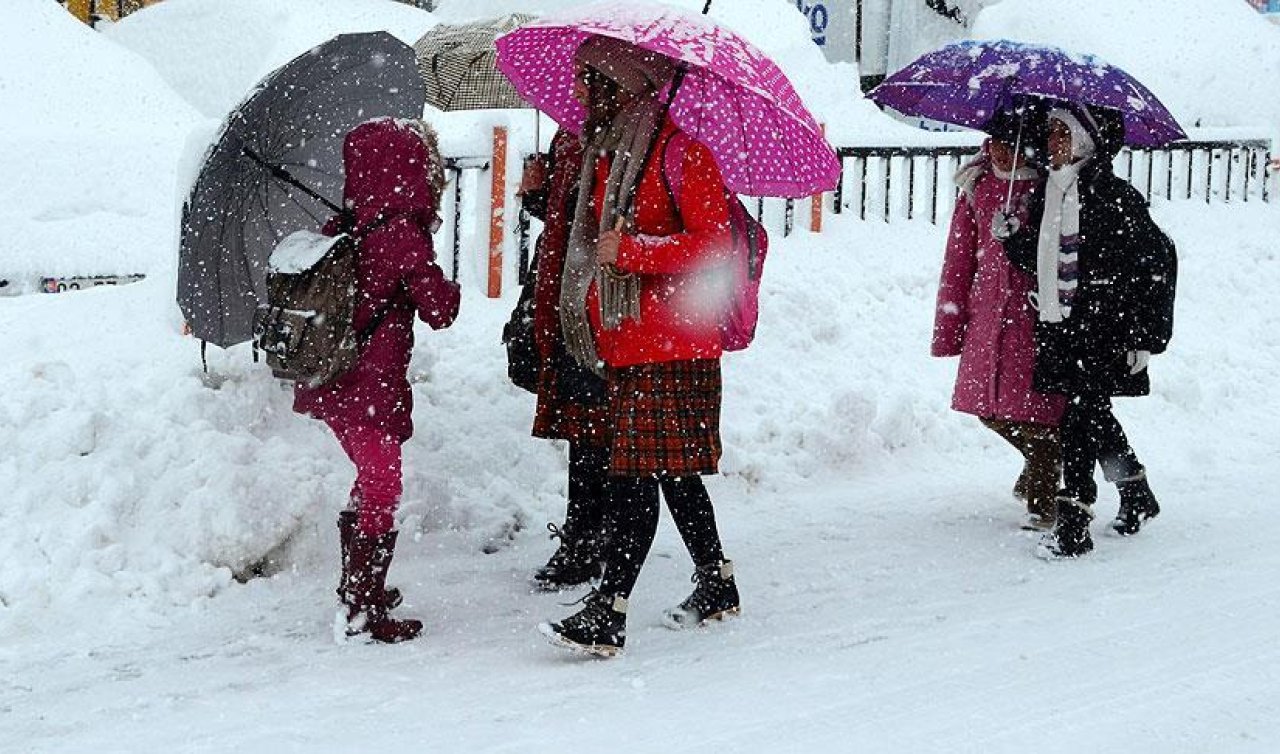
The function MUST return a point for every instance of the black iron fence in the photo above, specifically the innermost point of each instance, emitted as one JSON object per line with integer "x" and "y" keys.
{"x": 916, "y": 182}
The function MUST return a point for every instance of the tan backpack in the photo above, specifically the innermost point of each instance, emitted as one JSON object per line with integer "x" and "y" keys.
{"x": 306, "y": 327}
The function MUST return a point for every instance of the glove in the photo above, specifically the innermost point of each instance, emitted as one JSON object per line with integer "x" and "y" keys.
{"x": 1138, "y": 361}
{"x": 1003, "y": 226}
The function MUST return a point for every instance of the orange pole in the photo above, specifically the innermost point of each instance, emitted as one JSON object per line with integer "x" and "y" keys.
{"x": 815, "y": 211}
{"x": 497, "y": 213}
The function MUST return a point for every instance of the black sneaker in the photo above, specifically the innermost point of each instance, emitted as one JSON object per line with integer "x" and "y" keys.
{"x": 715, "y": 597}
{"x": 598, "y": 629}
{"x": 1137, "y": 505}
{"x": 575, "y": 562}
{"x": 1069, "y": 537}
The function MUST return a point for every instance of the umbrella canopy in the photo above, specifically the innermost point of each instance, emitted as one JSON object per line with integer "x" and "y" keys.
{"x": 459, "y": 65}
{"x": 967, "y": 83}
{"x": 290, "y": 128}
{"x": 732, "y": 99}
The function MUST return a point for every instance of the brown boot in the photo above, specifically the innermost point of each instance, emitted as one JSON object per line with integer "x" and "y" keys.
{"x": 364, "y": 589}
{"x": 348, "y": 525}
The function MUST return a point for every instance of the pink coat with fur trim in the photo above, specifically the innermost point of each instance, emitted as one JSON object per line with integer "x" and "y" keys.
{"x": 386, "y": 176}
{"x": 983, "y": 314}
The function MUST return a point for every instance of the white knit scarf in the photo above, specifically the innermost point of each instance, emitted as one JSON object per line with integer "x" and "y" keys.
{"x": 1056, "y": 250}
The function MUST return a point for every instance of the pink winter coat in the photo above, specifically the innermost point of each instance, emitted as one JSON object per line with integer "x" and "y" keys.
{"x": 386, "y": 175}
{"x": 983, "y": 313}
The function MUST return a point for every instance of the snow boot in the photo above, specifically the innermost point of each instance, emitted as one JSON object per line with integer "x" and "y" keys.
{"x": 1020, "y": 486}
{"x": 575, "y": 562}
{"x": 1137, "y": 505}
{"x": 598, "y": 629}
{"x": 715, "y": 597}
{"x": 1070, "y": 535}
{"x": 363, "y": 593}
{"x": 348, "y": 525}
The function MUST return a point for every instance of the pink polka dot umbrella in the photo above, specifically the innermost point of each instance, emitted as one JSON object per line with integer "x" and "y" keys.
{"x": 732, "y": 98}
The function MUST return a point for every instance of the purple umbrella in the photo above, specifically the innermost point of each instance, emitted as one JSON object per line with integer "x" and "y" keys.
{"x": 732, "y": 98}
{"x": 967, "y": 82}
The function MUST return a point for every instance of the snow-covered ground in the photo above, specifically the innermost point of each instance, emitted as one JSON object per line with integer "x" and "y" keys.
{"x": 891, "y": 604}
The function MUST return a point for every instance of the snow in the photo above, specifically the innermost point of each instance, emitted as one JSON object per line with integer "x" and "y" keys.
{"x": 891, "y": 604}
{"x": 299, "y": 251}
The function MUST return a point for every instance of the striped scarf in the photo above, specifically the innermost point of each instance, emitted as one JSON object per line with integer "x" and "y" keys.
{"x": 1058, "y": 246}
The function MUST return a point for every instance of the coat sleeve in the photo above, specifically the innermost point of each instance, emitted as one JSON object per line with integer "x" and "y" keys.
{"x": 951, "y": 315}
{"x": 1020, "y": 248}
{"x": 704, "y": 213}
{"x": 435, "y": 297}
{"x": 534, "y": 201}
{"x": 1151, "y": 271}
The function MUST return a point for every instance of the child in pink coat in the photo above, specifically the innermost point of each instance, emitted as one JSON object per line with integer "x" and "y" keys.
{"x": 984, "y": 316}
{"x": 393, "y": 180}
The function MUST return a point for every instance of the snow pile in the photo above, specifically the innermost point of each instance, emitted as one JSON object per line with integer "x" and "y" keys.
{"x": 88, "y": 133}
{"x": 1212, "y": 64}
{"x": 213, "y": 53}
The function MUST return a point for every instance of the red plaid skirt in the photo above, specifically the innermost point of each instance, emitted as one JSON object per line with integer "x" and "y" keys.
{"x": 665, "y": 418}
{"x": 559, "y": 417}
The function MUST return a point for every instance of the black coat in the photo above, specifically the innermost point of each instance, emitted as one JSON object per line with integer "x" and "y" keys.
{"x": 1124, "y": 302}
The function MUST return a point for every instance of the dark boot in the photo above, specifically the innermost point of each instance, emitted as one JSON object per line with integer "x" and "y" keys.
{"x": 598, "y": 629}
{"x": 364, "y": 589}
{"x": 576, "y": 561}
{"x": 1070, "y": 535}
{"x": 348, "y": 525}
{"x": 1041, "y": 498}
{"x": 1137, "y": 505}
{"x": 1020, "y": 486}
{"x": 715, "y": 597}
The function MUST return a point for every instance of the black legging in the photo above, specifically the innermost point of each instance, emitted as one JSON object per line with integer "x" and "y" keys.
{"x": 635, "y": 505}
{"x": 588, "y": 476}
{"x": 1091, "y": 434}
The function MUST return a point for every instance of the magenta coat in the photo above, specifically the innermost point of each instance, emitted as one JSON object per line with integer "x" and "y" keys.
{"x": 386, "y": 174}
{"x": 983, "y": 313}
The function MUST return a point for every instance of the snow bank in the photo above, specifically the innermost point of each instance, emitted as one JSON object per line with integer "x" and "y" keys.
{"x": 88, "y": 133}
{"x": 213, "y": 53}
{"x": 1212, "y": 64}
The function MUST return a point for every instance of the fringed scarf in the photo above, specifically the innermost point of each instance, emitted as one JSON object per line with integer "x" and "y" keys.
{"x": 628, "y": 141}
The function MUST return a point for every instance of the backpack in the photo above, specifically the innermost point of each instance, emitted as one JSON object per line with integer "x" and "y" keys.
{"x": 750, "y": 245}
{"x": 306, "y": 328}
{"x": 518, "y": 337}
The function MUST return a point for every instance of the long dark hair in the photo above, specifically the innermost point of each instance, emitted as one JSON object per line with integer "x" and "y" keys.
{"x": 605, "y": 97}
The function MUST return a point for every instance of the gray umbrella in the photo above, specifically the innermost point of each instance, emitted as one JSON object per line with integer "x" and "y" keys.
{"x": 276, "y": 167}
{"x": 460, "y": 67}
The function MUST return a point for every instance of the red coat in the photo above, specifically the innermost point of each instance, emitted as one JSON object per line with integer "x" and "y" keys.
{"x": 385, "y": 167}
{"x": 667, "y": 249}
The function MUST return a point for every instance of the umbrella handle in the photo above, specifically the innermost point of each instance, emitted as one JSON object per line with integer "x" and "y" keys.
{"x": 1017, "y": 149}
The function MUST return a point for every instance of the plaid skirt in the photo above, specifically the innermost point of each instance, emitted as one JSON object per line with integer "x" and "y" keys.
{"x": 665, "y": 418}
{"x": 568, "y": 417}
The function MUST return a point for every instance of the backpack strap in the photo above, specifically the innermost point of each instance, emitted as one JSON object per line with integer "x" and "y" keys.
{"x": 364, "y": 335}
{"x": 673, "y": 166}
{"x": 673, "y": 180}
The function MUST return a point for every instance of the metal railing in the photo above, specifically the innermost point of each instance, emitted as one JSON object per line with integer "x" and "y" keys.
{"x": 917, "y": 181}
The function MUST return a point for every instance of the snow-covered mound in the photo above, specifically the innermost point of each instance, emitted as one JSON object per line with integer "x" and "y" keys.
{"x": 86, "y": 138}
{"x": 213, "y": 53}
{"x": 1212, "y": 64}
